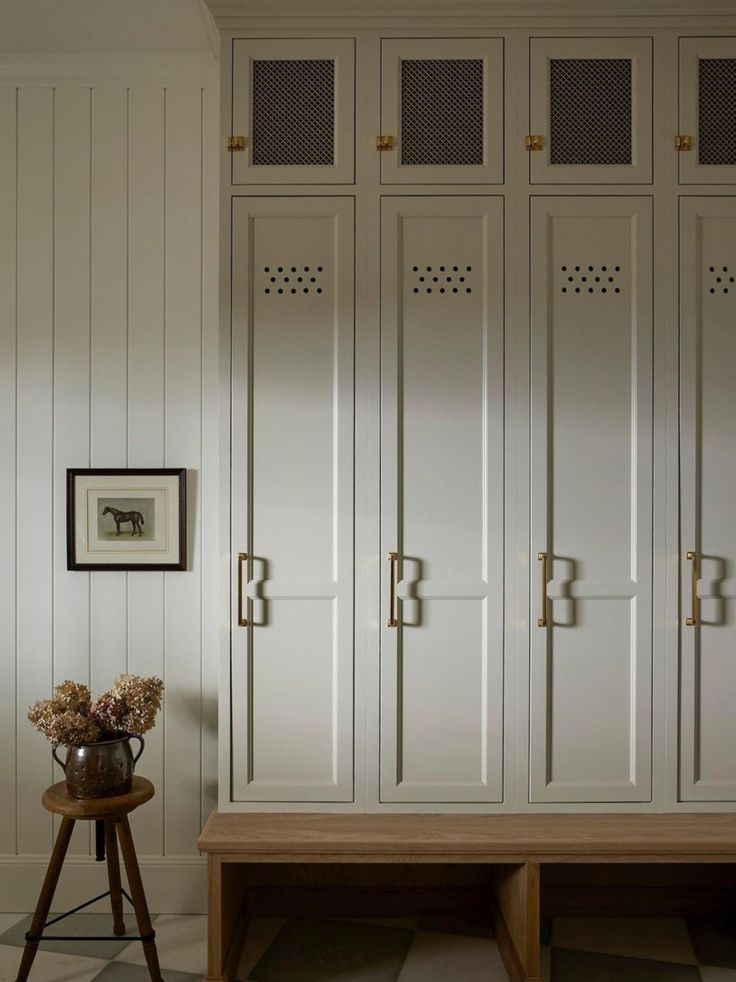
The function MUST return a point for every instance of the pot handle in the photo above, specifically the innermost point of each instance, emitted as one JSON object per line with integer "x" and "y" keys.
{"x": 135, "y": 736}
{"x": 61, "y": 763}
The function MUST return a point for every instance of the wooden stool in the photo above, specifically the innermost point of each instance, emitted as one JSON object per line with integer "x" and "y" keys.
{"x": 108, "y": 814}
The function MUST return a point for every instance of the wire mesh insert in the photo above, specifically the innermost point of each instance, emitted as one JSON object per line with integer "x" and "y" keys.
{"x": 442, "y": 111}
{"x": 590, "y": 111}
{"x": 717, "y": 111}
{"x": 293, "y": 112}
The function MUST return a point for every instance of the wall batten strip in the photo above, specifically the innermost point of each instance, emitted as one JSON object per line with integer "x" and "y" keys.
{"x": 8, "y": 449}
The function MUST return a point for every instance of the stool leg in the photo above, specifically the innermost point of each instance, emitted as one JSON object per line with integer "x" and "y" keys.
{"x": 113, "y": 876}
{"x": 145, "y": 929}
{"x": 46, "y": 896}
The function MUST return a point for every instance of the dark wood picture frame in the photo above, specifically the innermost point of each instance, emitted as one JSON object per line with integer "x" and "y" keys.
{"x": 72, "y": 475}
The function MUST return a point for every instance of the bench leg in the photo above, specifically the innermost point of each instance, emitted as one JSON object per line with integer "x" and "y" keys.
{"x": 113, "y": 877}
{"x": 46, "y": 896}
{"x": 145, "y": 928}
{"x": 226, "y": 921}
{"x": 516, "y": 894}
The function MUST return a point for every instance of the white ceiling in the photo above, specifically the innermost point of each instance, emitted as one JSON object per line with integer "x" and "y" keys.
{"x": 100, "y": 27}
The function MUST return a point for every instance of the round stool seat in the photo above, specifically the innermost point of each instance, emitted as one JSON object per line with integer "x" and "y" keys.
{"x": 58, "y": 800}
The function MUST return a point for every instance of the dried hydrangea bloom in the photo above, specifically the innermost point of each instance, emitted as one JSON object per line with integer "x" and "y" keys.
{"x": 65, "y": 726}
{"x": 73, "y": 696}
{"x": 142, "y": 699}
{"x": 108, "y": 712}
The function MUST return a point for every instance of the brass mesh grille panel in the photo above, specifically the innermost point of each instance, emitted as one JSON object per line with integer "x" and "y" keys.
{"x": 293, "y": 112}
{"x": 590, "y": 111}
{"x": 717, "y": 111}
{"x": 442, "y": 111}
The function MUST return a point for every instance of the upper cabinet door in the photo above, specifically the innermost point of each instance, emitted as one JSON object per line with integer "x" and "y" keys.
{"x": 293, "y": 102}
{"x": 708, "y": 110}
{"x": 442, "y": 102}
{"x": 591, "y": 103}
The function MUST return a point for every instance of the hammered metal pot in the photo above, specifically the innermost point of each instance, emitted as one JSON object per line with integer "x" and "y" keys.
{"x": 100, "y": 770}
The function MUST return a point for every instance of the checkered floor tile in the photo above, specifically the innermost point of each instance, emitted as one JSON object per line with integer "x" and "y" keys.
{"x": 373, "y": 950}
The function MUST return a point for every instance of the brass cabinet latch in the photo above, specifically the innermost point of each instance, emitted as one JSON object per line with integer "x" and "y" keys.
{"x": 235, "y": 143}
{"x": 683, "y": 142}
{"x": 534, "y": 142}
{"x": 384, "y": 143}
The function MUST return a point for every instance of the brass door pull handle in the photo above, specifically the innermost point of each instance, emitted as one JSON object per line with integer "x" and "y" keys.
{"x": 392, "y": 621}
{"x": 542, "y": 557}
{"x": 693, "y": 619}
{"x": 242, "y": 558}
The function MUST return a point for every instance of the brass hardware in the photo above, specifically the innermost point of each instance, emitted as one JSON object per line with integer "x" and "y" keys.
{"x": 392, "y": 621}
{"x": 235, "y": 143}
{"x": 693, "y": 619}
{"x": 384, "y": 143}
{"x": 242, "y": 621}
{"x": 534, "y": 142}
{"x": 683, "y": 142}
{"x": 542, "y": 557}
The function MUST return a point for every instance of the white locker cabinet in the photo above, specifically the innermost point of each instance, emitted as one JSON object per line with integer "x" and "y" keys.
{"x": 591, "y": 663}
{"x": 442, "y": 104}
{"x": 442, "y": 506}
{"x": 708, "y": 110}
{"x": 292, "y": 499}
{"x": 591, "y": 104}
{"x": 708, "y": 528}
{"x": 293, "y": 103}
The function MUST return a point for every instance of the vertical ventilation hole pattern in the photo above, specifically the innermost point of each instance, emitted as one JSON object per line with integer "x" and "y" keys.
{"x": 289, "y": 280}
{"x": 293, "y": 113}
{"x": 721, "y": 280}
{"x": 581, "y": 280}
{"x": 717, "y": 111}
{"x": 442, "y": 111}
{"x": 590, "y": 111}
{"x": 447, "y": 280}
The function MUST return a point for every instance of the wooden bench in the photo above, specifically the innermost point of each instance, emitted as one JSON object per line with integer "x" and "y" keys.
{"x": 514, "y": 846}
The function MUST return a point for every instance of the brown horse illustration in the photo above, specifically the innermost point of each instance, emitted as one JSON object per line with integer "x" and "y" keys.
{"x": 126, "y": 516}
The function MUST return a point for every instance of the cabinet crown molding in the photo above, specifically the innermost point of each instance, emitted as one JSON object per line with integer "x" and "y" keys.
{"x": 227, "y": 12}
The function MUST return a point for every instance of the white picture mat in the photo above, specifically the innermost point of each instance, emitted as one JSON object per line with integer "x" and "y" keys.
{"x": 164, "y": 547}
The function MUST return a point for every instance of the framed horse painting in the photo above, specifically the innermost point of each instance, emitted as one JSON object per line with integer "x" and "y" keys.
{"x": 126, "y": 519}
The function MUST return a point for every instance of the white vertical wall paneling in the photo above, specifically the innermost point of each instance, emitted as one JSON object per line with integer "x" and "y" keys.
{"x": 146, "y": 381}
{"x": 209, "y": 484}
{"x": 8, "y": 111}
{"x": 183, "y": 449}
{"x": 71, "y": 376}
{"x": 35, "y": 381}
{"x": 108, "y": 356}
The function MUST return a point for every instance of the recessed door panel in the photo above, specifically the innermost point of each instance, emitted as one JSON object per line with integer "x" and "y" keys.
{"x": 591, "y": 104}
{"x": 708, "y": 110}
{"x": 293, "y": 102}
{"x": 292, "y": 461}
{"x": 442, "y": 499}
{"x": 442, "y": 102}
{"x": 708, "y": 469}
{"x": 591, "y": 499}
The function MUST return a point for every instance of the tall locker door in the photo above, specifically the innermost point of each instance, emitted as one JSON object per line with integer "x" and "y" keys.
{"x": 442, "y": 506}
{"x": 442, "y": 107}
{"x": 292, "y": 499}
{"x": 708, "y": 110}
{"x": 294, "y": 108}
{"x": 591, "y": 110}
{"x": 708, "y": 474}
{"x": 591, "y": 571}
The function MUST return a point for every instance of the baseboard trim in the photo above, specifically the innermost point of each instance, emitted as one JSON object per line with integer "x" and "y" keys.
{"x": 174, "y": 884}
